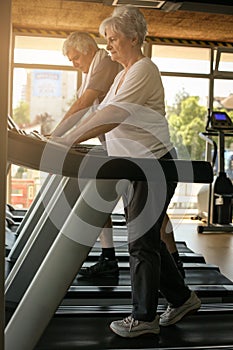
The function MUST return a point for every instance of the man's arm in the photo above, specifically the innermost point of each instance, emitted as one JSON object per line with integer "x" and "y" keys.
{"x": 85, "y": 101}
{"x": 81, "y": 104}
{"x": 96, "y": 124}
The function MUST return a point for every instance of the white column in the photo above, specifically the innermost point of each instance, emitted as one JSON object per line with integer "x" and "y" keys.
{"x": 62, "y": 263}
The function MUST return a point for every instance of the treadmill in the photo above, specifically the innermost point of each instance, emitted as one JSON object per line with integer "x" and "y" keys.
{"x": 40, "y": 312}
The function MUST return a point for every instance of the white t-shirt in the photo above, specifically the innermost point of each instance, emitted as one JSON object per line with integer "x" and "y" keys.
{"x": 145, "y": 132}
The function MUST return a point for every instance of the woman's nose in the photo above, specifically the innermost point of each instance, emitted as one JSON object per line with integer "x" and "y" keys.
{"x": 108, "y": 46}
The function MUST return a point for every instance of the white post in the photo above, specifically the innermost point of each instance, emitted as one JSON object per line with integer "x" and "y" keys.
{"x": 62, "y": 263}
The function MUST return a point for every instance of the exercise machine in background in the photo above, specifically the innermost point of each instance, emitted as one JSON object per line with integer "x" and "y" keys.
{"x": 218, "y": 195}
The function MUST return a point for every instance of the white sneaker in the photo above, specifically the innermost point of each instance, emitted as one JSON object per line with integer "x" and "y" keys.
{"x": 130, "y": 328}
{"x": 173, "y": 315}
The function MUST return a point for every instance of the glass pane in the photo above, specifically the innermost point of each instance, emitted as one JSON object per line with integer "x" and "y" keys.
{"x": 223, "y": 100}
{"x": 41, "y": 97}
{"x": 37, "y": 50}
{"x": 174, "y": 86}
{"x": 223, "y": 94}
{"x": 186, "y": 107}
{"x": 226, "y": 62}
{"x": 181, "y": 59}
{"x": 25, "y": 184}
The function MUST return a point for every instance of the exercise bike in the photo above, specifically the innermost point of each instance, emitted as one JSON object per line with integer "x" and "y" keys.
{"x": 219, "y": 218}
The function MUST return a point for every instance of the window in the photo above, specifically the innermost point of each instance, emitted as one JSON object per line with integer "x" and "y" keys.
{"x": 181, "y": 59}
{"x": 39, "y": 50}
{"x": 44, "y": 82}
{"x": 41, "y": 96}
{"x": 224, "y": 61}
{"x": 194, "y": 79}
{"x": 173, "y": 86}
{"x": 44, "y": 86}
{"x": 223, "y": 88}
{"x": 187, "y": 77}
{"x": 223, "y": 94}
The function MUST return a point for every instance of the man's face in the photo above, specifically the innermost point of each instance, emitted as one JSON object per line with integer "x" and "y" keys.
{"x": 80, "y": 60}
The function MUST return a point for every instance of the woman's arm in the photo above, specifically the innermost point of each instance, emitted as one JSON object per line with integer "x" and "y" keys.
{"x": 68, "y": 123}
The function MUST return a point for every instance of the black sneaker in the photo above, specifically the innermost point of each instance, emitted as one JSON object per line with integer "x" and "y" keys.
{"x": 180, "y": 267}
{"x": 104, "y": 267}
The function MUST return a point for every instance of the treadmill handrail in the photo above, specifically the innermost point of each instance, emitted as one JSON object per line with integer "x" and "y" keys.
{"x": 57, "y": 159}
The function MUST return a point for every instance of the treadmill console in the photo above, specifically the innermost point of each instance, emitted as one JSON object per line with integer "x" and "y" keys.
{"x": 220, "y": 121}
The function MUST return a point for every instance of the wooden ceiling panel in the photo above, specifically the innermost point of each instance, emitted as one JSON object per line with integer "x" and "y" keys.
{"x": 63, "y": 15}
{"x": 191, "y": 25}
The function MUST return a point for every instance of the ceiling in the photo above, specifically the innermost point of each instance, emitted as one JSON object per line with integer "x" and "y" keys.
{"x": 192, "y": 20}
{"x": 208, "y": 6}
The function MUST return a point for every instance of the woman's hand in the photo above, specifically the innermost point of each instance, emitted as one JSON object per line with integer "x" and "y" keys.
{"x": 61, "y": 140}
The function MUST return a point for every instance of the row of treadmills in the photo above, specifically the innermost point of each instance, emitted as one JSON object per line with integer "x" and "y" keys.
{"x": 82, "y": 319}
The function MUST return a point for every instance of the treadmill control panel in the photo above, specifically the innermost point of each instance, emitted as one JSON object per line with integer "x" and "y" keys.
{"x": 220, "y": 121}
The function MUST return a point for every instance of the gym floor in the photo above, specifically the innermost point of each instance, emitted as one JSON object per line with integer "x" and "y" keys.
{"x": 217, "y": 248}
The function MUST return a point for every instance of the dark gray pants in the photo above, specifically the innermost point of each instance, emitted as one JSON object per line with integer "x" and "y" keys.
{"x": 152, "y": 267}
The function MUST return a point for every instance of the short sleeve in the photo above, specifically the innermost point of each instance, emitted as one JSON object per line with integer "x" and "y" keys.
{"x": 142, "y": 86}
{"x": 103, "y": 76}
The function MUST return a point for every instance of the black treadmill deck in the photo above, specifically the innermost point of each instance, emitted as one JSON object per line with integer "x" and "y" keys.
{"x": 205, "y": 330}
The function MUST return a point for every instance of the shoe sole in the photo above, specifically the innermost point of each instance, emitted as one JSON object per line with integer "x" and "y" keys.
{"x": 135, "y": 334}
{"x": 181, "y": 315}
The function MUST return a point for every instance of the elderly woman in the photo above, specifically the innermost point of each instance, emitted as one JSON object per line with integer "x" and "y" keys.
{"x": 132, "y": 117}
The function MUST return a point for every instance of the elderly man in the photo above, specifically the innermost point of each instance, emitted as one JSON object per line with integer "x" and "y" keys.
{"x": 98, "y": 71}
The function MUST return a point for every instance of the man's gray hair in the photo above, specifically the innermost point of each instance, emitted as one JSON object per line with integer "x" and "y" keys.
{"x": 79, "y": 41}
{"x": 128, "y": 20}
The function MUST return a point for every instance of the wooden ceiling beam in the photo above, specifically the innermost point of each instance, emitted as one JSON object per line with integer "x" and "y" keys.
{"x": 86, "y": 16}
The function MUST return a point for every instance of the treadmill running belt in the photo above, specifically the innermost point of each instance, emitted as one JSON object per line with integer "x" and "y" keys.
{"x": 66, "y": 333}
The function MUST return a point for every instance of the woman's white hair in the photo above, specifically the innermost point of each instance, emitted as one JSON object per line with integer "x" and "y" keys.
{"x": 128, "y": 20}
{"x": 79, "y": 41}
